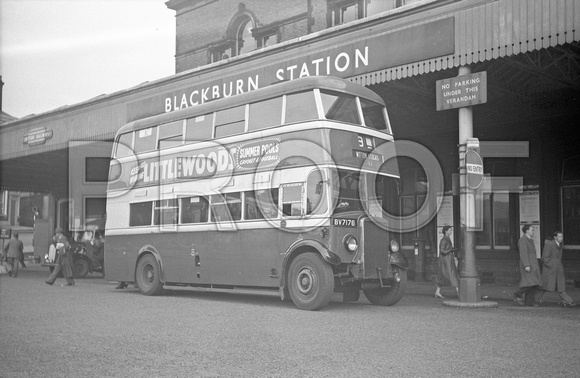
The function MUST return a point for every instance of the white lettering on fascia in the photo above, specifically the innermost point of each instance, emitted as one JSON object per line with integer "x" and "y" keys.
{"x": 203, "y": 95}
{"x": 323, "y": 66}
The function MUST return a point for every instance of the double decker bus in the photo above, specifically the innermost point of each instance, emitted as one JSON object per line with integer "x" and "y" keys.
{"x": 283, "y": 189}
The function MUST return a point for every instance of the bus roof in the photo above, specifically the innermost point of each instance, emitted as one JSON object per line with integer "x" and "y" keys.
{"x": 276, "y": 89}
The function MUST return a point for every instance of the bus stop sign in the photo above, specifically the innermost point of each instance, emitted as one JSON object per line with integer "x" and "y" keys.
{"x": 474, "y": 168}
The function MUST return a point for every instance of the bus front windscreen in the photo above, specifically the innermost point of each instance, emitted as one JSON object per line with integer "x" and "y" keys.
{"x": 380, "y": 193}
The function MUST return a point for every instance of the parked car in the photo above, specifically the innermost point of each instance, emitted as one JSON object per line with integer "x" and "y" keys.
{"x": 88, "y": 254}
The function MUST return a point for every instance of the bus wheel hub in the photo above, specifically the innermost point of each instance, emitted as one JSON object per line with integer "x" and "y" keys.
{"x": 305, "y": 281}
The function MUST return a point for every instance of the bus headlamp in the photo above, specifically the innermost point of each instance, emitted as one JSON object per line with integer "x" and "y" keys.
{"x": 350, "y": 243}
{"x": 394, "y": 246}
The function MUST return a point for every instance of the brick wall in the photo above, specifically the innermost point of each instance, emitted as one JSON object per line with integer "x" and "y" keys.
{"x": 198, "y": 26}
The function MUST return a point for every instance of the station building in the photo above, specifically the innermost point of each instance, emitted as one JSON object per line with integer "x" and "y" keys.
{"x": 53, "y": 165}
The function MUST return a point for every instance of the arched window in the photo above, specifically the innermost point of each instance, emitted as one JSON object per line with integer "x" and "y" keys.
{"x": 240, "y": 37}
{"x": 245, "y": 42}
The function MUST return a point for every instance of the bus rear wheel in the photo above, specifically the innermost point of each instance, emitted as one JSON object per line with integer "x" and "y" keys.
{"x": 148, "y": 276}
{"x": 388, "y": 296}
{"x": 310, "y": 281}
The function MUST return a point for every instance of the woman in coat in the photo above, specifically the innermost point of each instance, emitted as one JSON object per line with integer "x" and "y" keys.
{"x": 553, "y": 278}
{"x": 447, "y": 274}
{"x": 530, "y": 277}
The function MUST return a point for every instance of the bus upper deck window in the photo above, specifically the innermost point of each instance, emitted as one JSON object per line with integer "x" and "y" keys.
{"x": 230, "y": 121}
{"x": 124, "y": 145}
{"x": 373, "y": 114}
{"x": 265, "y": 114}
{"x": 340, "y": 107}
{"x": 300, "y": 107}
{"x": 146, "y": 139}
{"x": 170, "y": 134}
{"x": 199, "y": 128}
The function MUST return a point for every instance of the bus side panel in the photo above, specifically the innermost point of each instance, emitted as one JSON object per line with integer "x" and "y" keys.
{"x": 262, "y": 257}
{"x": 223, "y": 259}
{"x": 183, "y": 256}
{"x": 120, "y": 257}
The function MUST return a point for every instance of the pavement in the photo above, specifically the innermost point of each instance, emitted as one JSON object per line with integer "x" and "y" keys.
{"x": 503, "y": 294}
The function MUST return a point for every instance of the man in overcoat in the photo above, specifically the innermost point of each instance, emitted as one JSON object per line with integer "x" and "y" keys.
{"x": 14, "y": 251}
{"x": 530, "y": 277}
{"x": 64, "y": 261}
{"x": 553, "y": 278}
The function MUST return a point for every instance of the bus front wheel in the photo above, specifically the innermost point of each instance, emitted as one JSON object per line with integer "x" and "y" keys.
{"x": 388, "y": 296}
{"x": 148, "y": 277}
{"x": 310, "y": 281}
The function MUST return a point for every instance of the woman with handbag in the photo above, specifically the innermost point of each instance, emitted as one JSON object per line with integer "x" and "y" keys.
{"x": 447, "y": 274}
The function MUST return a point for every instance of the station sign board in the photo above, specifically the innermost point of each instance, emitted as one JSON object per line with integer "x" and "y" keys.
{"x": 5, "y": 233}
{"x": 461, "y": 91}
{"x": 37, "y": 136}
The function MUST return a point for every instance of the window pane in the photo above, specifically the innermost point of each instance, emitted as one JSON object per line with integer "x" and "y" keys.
{"x": 230, "y": 121}
{"x": 373, "y": 114}
{"x": 246, "y": 42}
{"x": 571, "y": 214}
{"x": 170, "y": 129}
{"x": 301, "y": 107}
{"x": 226, "y": 207}
{"x": 378, "y": 6}
{"x": 229, "y": 129}
{"x": 265, "y": 200}
{"x": 571, "y": 169}
{"x": 166, "y": 212}
{"x": 292, "y": 199}
{"x": 95, "y": 212}
{"x": 125, "y": 145}
{"x": 349, "y": 13}
{"x": 252, "y": 211}
{"x": 501, "y": 221}
{"x": 194, "y": 210}
{"x": 145, "y": 139}
{"x": 265, "y": 114}
{"x": 340, "y": 107}
{"x": 483, "y": 238}
{"x": 230, "y": 115}
{"x": 96, "y": 169}
{"x": 140, "y": 214}
{"x": 199, "y": 128}
{"x": 315, "y": 194}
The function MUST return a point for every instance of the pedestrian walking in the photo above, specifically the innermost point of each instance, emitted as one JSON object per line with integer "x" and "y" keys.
{"x": 14, "y": 251}
{"x": 64, "y": 260}
{"x": 447, "y": 274}
{"x": 553, "y": 278}
{"x": 530, "y": 277}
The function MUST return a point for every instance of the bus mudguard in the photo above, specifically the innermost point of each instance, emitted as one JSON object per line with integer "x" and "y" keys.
{"x": 153, "y": 251}
{"x": 398, "y": 259}
{"x": 305, "y": 245}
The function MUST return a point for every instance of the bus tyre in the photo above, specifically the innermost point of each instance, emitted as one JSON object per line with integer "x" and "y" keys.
{"x": 80, "y": 268}
{"x": 148, "y": 277}
{"x": 310, "y": 281}
{"x": 388, "y": 296}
